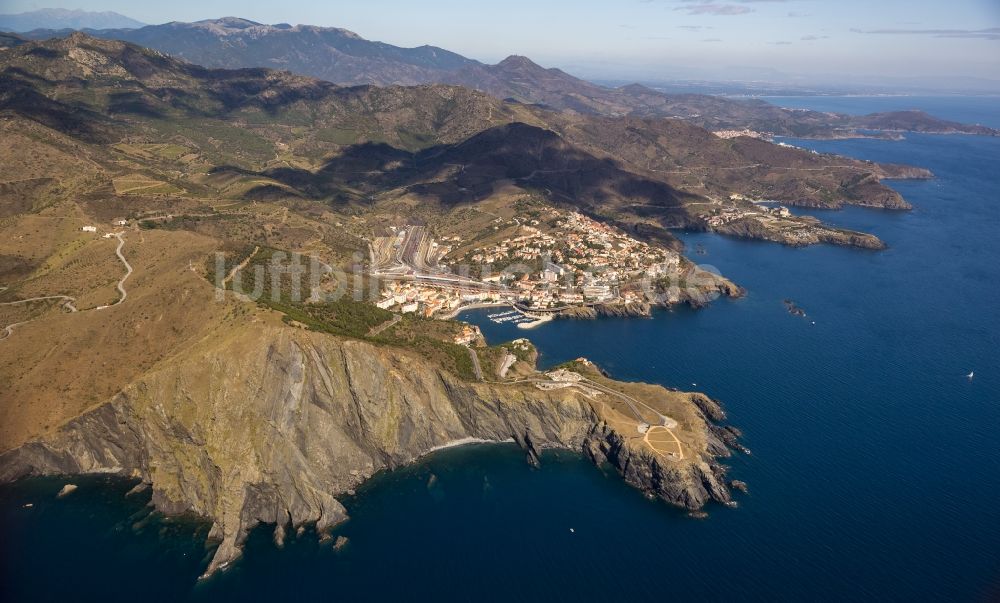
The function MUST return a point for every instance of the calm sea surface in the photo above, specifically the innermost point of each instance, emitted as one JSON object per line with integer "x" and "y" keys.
{"x": 875, "y": 467}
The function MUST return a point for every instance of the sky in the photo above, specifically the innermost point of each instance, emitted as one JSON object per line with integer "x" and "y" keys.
{"x": 774, "y": 40}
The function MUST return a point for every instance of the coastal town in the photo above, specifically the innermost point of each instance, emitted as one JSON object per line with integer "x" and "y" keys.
{"x": 540, "y": 266}
{"x": 727, "y": 134}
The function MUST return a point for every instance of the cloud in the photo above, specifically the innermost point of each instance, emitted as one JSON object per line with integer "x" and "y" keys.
{"x": 811, "y": 38}
{"x": 991, "y": 33}
{"x": 695, "y": 27}
{"x": 798, "y": 15}
{"x": 780, "y": 43}
{"x": 715, "y": 9}
{"x": 712, "y": 40}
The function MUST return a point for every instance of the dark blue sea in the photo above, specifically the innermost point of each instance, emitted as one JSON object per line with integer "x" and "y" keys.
{"x": 875, "y": 471}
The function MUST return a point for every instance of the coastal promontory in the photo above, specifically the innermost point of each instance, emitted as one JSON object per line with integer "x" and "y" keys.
{"x": 270, "y": 423}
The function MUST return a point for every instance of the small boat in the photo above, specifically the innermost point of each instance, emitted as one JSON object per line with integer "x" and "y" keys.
{"x": 971, "y": 375}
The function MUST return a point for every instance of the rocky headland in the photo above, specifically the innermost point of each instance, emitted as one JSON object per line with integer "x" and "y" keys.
{"x": 270, "y": 424}
{"x": 810, "y": 234}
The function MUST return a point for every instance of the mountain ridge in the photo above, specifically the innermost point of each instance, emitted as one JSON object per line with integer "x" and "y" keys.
{"x": 343, "y": 57}
{"x": 617, "y": 162}
{"x": 61, "y": 18}
{"x": 329, "y": 53}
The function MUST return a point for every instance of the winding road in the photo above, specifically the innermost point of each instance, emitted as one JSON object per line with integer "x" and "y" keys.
{"x": 9, "y": 329}
{"x": 68, "y": 300}
{"x": 128, "y": 268}
{"x": 665, "y": 426}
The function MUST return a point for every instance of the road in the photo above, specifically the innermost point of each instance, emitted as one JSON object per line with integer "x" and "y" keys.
{"x": 441, "y": 280}
{"x": 475, "y": 364}
{"x": 752, "y": 166}
{"x": 378, "y": 329}
{"x": 666, "y": 423}
{"x": 69, "y": 301}
{"x": 240, "y": 266}
{"x": 9, "y": 329}
{"x": 128, "y": 268}
{"x": 526, "y": 309}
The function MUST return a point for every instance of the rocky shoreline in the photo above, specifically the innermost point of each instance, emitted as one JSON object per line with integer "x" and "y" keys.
{"x": 272, "y": 424}
{"x": 754, "y": 229}
{"x": 620, "y": 310}
{"x": 694, "y": 295}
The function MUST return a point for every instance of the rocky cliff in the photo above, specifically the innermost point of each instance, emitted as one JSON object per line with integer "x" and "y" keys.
{"x": 810, "y": 233}
{"x": 618, "y": 310}
{"x": 270, "y": 424}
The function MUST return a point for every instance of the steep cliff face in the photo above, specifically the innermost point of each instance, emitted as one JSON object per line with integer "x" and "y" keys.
{"x": 270, "y": 424}
{"x": 749, "y": 228}
{"x": 636, "y": 309}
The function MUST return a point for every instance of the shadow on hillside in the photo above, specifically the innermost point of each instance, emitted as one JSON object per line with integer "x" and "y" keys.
{"x": 133, "y": 103}
{"x": 21, "y": 98}
{"x": 466, "y": 172}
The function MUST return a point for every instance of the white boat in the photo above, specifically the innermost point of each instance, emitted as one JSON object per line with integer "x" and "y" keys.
{"x": 971, "y": 375}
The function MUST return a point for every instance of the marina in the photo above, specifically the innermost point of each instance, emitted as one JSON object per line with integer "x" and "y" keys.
{"x": 511, "y": 316}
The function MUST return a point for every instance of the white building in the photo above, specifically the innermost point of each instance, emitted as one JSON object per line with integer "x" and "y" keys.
{"x": 89, "y": 229}
{"x": 597, "y": 292}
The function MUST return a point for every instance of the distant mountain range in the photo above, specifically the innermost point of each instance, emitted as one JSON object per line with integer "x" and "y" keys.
{"x": 343, "y": 57}
{"x": 333, "y": 54}
{"x": 61, "y": 18}
{"x": 640, "y": 172}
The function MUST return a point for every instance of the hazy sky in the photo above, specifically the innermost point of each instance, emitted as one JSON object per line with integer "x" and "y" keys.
{"x": 646, "y": 38}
